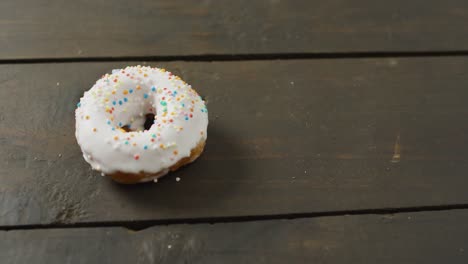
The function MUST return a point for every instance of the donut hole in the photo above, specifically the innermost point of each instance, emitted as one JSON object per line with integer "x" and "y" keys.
{"x": 126, "y": 128}
{"x": 149, "y": 121}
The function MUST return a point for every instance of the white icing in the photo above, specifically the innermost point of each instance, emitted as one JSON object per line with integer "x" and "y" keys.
{"x": 124, "y": 98}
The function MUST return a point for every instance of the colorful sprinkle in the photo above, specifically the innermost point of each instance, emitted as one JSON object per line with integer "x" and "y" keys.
{"x": 130, "y": 91}
{"x": 145, "y": 96}
{"x": 136, "y": 157}
{"x": 125, "y": 92}
{"x": 145, "y": 147}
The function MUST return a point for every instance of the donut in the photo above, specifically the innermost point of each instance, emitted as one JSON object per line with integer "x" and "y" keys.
{"x": 139, "y": 123}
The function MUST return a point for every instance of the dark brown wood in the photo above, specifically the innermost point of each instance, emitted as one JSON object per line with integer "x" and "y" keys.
{"x": 101, "y": 28}
{"x": 284, "y": 137}
{"x": 431, "y": 237}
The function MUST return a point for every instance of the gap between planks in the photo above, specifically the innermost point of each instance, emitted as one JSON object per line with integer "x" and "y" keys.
{"x": 145, "y": 224}
{"x": 242, "y": 57}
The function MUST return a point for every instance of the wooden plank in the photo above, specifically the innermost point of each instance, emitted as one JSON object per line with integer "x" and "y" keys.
{"x": 431, "y": 237}
{"x": 102, "y": 28}
{"x": 284, "y": 137}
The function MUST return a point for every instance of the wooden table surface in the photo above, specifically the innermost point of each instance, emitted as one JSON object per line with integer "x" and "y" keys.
{"x": 338, "y": 132}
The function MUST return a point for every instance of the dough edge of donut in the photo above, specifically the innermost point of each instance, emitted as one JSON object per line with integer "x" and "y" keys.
{"x": 133, "y": 178}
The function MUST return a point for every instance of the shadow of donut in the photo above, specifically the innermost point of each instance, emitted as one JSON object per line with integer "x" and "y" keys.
{"x": 205, "y": 186}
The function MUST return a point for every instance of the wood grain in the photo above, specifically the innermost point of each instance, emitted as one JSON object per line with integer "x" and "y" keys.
{"x": 431, "y": 237}
{"x": 81, "y": 29}
{"x": 284, "y": 137}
